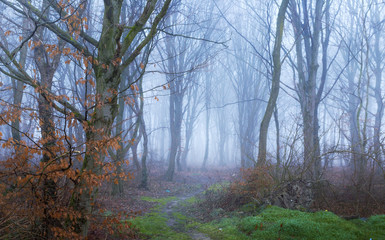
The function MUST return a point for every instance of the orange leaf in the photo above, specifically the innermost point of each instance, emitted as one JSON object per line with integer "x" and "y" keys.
{"x": 141, "y": 65}
{"x": 66, "y": 51}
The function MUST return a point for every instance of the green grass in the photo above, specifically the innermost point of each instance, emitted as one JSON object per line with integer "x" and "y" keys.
{"x": 154, "y": 224}
{"x": 269, "y": 224}
{"x": 179, "y": 217}
{"x": 190, "y": 200}
{"x": 162, "y": 201}
{"x": 295, "y": 225}
{"x": 219, "y": 186}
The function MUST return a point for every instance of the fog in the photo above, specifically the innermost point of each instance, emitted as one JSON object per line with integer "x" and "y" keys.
{"x": 241, "y": 46}
{"x": 208, "y": 74}
{"x": 108, "y": 88}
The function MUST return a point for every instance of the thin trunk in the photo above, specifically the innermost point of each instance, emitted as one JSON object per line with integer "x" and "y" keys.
{"x": 134, "y": 149}
{"x": 278, "y": 145}
{"x": 144, "y": 171}
{"x": 222, "y": 138}
{"x": 193, "y": 101}
{"x": 206, "y": 156}
{"x": 274, "y": 84}
{"x": 18, "y": 88}
{"x": 208, "y": 98}
{"x": 186, "y": 148}
{"x": 379, "y": 99}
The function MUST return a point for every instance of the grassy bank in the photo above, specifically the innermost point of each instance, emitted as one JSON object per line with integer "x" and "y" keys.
{"x": 271, "y": 223}
{"x": 279, "y": 223}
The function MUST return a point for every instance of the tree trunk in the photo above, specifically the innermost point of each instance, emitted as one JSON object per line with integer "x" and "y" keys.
{"x": 175, "y": 130}
{"x": 378, "y": 59}
{"x": 47, "y": 67}
{"x": 278, "y": 145}
{"x": 107, "y": 68}
{"x": 144, "y": 171}
{"x": 18, "y": 88}
{"x": 222, "y": 139}
{"x": 207, "y": 144}
{"x": 306, "y": 89}
{"x": 117, "y": 184}
{"x": 275, "y": 82}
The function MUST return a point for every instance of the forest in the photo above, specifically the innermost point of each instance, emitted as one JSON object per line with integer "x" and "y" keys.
{"x": 189, "y": 119}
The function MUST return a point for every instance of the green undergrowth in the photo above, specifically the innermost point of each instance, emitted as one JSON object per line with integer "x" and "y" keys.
{"x": 279, "y": 223}
{"x": 189, "y": 201}
{"x": 153, "y": 225}
{"x": 251, "y": 222}
{"x": 161, "y": 201}
{"x": 219, "y": 186}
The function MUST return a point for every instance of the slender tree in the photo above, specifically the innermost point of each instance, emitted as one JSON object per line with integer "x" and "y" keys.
{"x": 275, "y": 82}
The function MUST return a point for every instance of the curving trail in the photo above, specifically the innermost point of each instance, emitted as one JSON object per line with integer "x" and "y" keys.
{"x": 171, "y": 209}
{"x": 174, "y": 216}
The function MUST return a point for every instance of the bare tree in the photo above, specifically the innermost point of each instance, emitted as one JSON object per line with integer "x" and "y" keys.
{"x": 307, "y": 45}
{"x": 181, "y": 56}
{"x": 377, "y": 65}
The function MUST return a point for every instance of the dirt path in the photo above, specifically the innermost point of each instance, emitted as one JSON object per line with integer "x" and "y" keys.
{"x": 165, "y": 210}
{"x": 173, "y": 207}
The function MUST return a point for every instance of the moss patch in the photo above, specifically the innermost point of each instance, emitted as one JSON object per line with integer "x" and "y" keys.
{"x": 153, "y": 225}
{"x": 162, "y": 201}
{"x": 278, "y": 223}
{"x": 251, "y": 222}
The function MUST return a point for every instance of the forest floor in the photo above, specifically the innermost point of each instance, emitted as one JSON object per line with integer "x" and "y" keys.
{"x": 171, "y": 217}
{"x": 163, "y": 211}
{"x": 177, "y": 210}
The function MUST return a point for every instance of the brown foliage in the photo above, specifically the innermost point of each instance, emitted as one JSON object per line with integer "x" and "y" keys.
{"x": 39, "y": 196}
{"x": 256, "y": 182}
{"x": 341, "y": 194}
{"x": 253, "y": 185}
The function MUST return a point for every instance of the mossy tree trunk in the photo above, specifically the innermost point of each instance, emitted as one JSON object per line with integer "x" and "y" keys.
{"x": 107, "y": 67}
